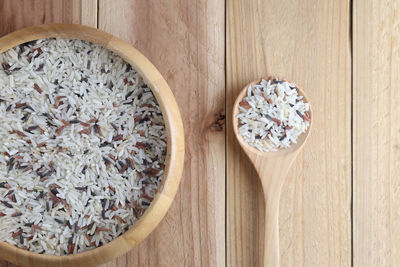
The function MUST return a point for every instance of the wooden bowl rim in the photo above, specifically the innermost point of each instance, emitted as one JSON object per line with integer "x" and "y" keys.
{"x": 175, "y": 145}
{"x": 254, "y": 151}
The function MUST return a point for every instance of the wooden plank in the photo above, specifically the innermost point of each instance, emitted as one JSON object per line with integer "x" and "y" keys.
{"x": 84, "y": 12}
{"x": 308, "y": 43}
{"x": 185, "y": 41}
{"x": 17, "y": 14}
{"x": 376, "y": 147}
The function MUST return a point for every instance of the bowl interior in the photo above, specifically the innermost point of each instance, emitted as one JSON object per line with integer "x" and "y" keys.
{"x": 175, "y": 147}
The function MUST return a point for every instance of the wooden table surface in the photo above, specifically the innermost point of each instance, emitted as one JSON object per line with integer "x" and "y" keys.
{"x": 340, "y": 203}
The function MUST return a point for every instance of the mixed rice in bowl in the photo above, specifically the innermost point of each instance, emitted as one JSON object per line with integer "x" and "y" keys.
{"x": 82, "y": 148}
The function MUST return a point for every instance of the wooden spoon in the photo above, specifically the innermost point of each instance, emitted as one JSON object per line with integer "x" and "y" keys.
{"x": 272, "y": 168}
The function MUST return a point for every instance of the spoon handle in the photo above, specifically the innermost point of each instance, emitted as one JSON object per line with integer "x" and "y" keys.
{"x": 271, "y": 238}
{"x": 272, "y": 172}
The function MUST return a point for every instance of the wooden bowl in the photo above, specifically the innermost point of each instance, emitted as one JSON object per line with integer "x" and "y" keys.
{"x": 175, "y": 148}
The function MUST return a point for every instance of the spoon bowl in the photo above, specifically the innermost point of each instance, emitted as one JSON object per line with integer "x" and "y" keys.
{"x": 272, "y": 168}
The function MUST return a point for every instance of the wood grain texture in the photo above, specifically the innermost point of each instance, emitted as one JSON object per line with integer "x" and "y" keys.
{"x": 87, "y": 11}
{"x": 185, "y": 40}
{"x": 308, "y": 43}
{"x": 376, "y": 124}
{"x": 16, "y": 14}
